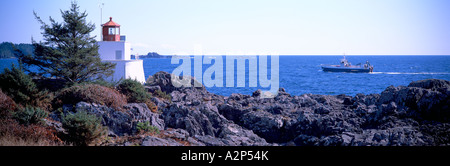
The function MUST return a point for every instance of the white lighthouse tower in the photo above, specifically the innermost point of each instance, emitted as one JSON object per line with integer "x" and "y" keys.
{"x": 113, "y": 48}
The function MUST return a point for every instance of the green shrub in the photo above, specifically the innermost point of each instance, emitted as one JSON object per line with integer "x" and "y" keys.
{"x": 21, "y": 88}
{"x": 18, "y": 85}
{"x": 134, "y": 91}
{"x": 82, "y": 128}
{"x": 30, "y": 115}
{"x": 163, "y": 95}
{"x": 91, "y": 93}
{"x": 146, "y": 127}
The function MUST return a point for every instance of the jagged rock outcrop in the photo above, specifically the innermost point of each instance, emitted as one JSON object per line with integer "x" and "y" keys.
{"x": 203, "y": 121}
{"x": 398, "y": 116}
{"x": 418, "y": 114}
{"x": 424, "y": 99}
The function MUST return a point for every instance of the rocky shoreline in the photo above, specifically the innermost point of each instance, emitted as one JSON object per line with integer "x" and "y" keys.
{"x": 413, "y": 115}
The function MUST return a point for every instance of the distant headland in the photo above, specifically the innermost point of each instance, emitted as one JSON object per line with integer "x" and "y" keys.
{"x": 152, "y": 55}
{"x": 7, "y": 49}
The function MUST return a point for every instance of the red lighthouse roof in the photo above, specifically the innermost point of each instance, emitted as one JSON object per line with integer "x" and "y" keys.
{"x": 111, "y": 31}
{"x": 111, "y": 23}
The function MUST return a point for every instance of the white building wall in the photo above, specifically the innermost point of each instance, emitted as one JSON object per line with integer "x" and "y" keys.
{"x": 127, "y": 52}
{"x": 133, "y": 69}
{"x": 108, "y": 49}
{"x": 125, "y": 67}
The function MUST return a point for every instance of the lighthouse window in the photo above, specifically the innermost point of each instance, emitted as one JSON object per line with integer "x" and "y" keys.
{"x": 112, "y": 31}
{"x": 118, "y": 54}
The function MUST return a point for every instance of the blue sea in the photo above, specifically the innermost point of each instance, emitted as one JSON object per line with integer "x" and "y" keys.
{"x": 303, "y": 74}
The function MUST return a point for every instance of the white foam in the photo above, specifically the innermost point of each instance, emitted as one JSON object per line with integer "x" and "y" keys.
{"x": 424, "y": 73}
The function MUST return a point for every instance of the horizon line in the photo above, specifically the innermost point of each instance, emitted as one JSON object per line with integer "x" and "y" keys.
{"x": 284, "y": 55}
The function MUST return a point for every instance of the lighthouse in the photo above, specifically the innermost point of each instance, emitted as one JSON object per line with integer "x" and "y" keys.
{"x": 113, "y": 48}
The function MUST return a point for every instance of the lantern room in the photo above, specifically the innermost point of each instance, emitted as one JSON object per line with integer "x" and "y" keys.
{"x": 111, "y": 31}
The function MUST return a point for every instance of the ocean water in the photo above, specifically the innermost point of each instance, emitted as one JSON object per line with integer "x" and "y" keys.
{"x": 303, "y": 74}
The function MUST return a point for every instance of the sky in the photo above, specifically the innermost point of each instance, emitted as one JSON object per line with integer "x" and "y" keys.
{"x": 254, "y": 27}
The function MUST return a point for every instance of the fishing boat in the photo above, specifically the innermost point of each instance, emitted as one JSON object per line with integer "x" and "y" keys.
{"x": 346, "y": 66}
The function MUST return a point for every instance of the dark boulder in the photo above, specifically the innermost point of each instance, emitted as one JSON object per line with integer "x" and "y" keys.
{"x": 432, "y": 84}
{"x": 268, "y": 126}
{"x": 119, "y": 122}
{"x": 205, "y": 123}
{"x": 165, "y": 82}
{"x": 156, "y": 141}
{"x": 425, "y": 99}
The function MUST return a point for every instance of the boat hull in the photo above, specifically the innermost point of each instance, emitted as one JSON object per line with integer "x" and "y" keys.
{"x": 345, "y": 69}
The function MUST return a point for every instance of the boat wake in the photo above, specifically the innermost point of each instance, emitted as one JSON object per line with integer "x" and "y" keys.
{"x": 423, "y": 73}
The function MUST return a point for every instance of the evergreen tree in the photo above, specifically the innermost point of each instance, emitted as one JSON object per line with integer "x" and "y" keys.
{"x": 68, "y": 51}
{"x": 18, "y": 85}
{"x": 21, "y": 88}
